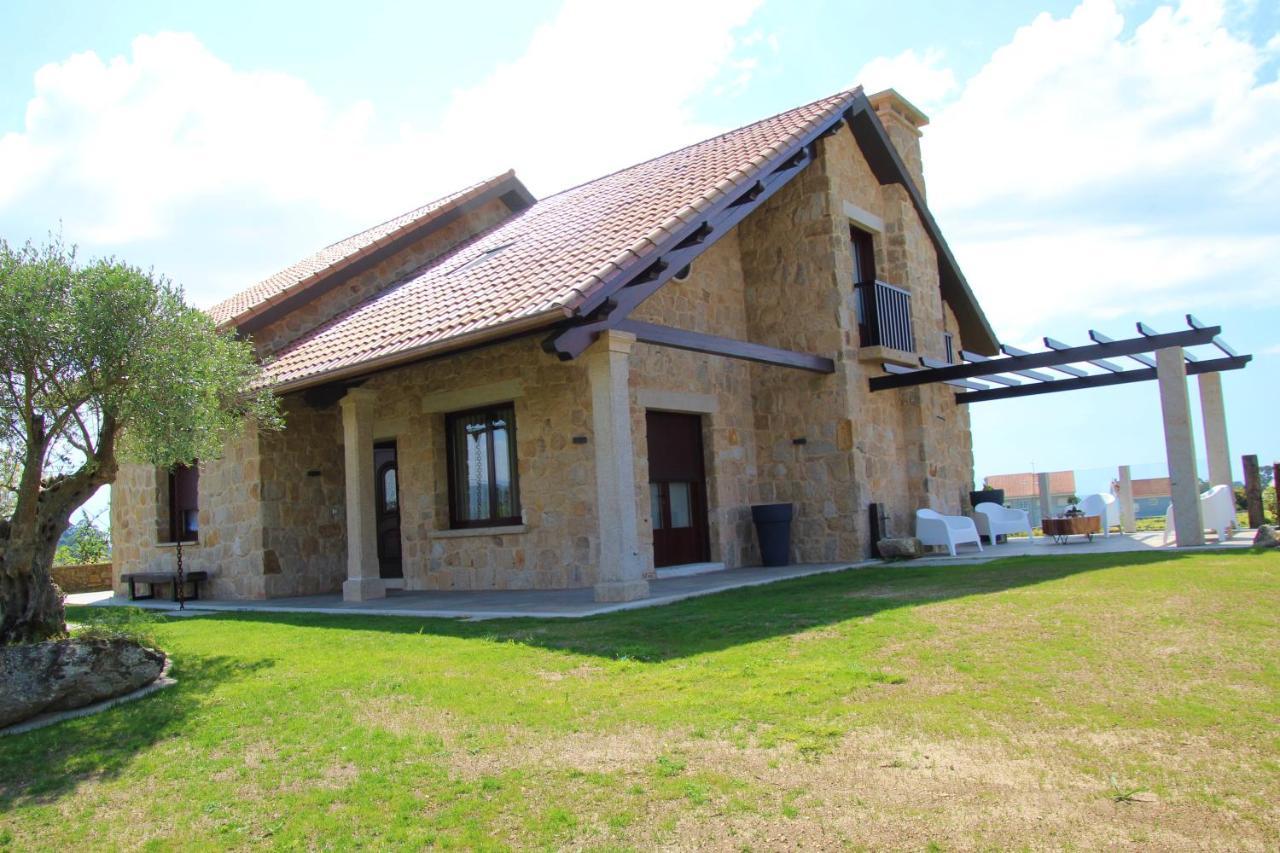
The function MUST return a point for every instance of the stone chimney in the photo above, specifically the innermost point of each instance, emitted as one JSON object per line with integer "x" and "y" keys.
{"x": 902, "y": 120}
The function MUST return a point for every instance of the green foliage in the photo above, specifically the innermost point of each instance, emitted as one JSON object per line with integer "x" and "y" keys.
{"x": 84, "y": 542}
{"x": 109, "y": 343}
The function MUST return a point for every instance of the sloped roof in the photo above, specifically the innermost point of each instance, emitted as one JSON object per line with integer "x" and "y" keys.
{"x": 540, "y": 265}
{"x": 1151, "y": 487}
{"x": 1026, "y": 484}
{"x": 543, "y": 261}
{"x": 330, "y": 259}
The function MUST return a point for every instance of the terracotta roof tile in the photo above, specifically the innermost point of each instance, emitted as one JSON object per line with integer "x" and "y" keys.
{"x": 331, "y": 258}
{"x": 540, "y": 264}
{"x": 1025, "y": 484}
{"x": 1151, "y": 487}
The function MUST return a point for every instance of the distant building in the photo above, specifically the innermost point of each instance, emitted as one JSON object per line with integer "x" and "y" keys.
{"x": 1021, "y": 491}
{"x": 1151, "y": 497}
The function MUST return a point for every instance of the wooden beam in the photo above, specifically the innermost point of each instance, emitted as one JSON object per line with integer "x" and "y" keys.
{"x": 1100, "y": 380}
{"x": 1053, "y": 358}
{"x": 613, "y": 301}
{"x": 652, "y": 333}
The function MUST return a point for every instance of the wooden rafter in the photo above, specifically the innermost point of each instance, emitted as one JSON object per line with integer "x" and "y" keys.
{"x": 652, "y": 333}
{"x": 613, "y": 301}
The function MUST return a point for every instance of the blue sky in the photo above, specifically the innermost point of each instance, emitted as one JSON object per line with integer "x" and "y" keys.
{"x": 1093, "y": 164}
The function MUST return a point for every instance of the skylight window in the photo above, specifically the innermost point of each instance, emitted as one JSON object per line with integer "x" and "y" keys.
{"x": 481, "y": 258}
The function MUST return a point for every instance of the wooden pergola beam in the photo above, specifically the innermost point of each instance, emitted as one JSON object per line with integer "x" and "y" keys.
{"x": 652, "y": 333}
{"x": 1100, "y": 380}
{"x": 1050, "y": 359}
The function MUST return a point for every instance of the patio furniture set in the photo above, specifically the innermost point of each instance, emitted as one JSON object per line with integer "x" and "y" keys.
{"x": 1098, "y": 514}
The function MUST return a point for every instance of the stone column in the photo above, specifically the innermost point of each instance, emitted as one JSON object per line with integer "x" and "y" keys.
{"x": 363, "y": 579}
{"x": 1128, "y": 516}
{"x": 1179, "y": 447}
{"x": 1215, "y": 429}
{"x": 1046, "y": 502}
{"x": 621, "y": 570}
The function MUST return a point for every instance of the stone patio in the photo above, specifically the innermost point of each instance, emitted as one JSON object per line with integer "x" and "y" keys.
{"x": 577, "y": 603}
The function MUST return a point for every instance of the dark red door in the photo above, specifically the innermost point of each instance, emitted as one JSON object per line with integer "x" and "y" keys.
{"x": 386, "y": 493}
{"x": 677, "y": 488}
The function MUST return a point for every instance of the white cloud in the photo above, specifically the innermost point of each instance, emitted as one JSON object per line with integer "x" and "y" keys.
{"x": 124, "y": 149}
{"x": 1072, "y": 105}
{"x": 1093, "y": 171}
{"x": 920, "y": 78}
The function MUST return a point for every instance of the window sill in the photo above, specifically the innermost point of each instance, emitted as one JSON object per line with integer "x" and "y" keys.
{"x": 464, "y": 532}
{"x": 188, "y": 544}
{"x": 889, "y": 354}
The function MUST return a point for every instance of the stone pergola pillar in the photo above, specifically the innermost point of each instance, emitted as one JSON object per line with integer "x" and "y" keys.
{"x": 1046, "y": 497}
{"x": 363, "y": 578}
{"x": 1124, "y": 494}
{"x": 621, "y": 569}
{"x": 1179, "y": 447}
{"x": 1214, "y": 415}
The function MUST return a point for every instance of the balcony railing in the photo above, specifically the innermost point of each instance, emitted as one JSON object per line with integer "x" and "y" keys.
{"x": 884, "y": 316}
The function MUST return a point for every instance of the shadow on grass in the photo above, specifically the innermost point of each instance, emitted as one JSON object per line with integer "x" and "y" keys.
{"x": 735, "y": 617}
{"x": 42, "y": 765}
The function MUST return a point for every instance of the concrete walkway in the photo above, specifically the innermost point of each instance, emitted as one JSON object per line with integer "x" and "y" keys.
{"x": 576, "y": 603}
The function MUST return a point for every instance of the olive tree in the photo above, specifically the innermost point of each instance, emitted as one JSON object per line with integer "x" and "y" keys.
{"x": 99, "y": 363}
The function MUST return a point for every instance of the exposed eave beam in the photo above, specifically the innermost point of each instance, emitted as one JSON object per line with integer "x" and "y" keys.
{"x": 1050, "y": 359}
{"x": 652, "y": 333}
{"x": 1099, "y": 380}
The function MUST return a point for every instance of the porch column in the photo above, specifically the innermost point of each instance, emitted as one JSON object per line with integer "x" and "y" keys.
{"x": 363, "y": 580}
{"x": 1128, "y": 516}
{"x": 1215, "y": 429}
{"x": 1179, "y": 447}
{"x": 621, "y": 570}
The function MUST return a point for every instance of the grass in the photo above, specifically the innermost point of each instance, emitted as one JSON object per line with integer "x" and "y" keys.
{"x": 1083, "y": 701}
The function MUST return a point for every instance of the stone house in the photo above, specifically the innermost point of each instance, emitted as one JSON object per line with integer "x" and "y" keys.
{"x": 498, "y": 392}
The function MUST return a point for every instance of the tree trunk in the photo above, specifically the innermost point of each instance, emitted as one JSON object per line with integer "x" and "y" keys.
{"x": 30, "y": 602}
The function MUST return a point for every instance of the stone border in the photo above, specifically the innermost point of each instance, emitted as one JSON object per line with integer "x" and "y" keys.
{"x": 49, "y": 718}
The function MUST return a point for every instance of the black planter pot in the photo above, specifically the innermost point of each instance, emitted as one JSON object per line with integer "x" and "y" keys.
{"x": 994, "y": 496}
{"x": 773, "y": 530}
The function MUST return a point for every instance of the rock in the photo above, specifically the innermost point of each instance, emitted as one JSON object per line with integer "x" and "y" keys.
{"x": 65, "y": 674}
{"x": 907, "y": 548}
{"x": 1266, "y": 537}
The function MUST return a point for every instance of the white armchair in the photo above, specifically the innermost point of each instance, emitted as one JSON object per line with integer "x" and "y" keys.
{"x": 933, "y": 528}
{"x": 1105, "y": 507}
{"x": 993, "y": 520}
{"x": 1217, "y": 510}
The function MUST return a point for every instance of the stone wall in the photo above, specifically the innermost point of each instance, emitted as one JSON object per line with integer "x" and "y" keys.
{"x": 230, "y": 546}
{"x": 711, "y": 300}
{"x": 557, "y": 544}
{"x": 86, "y": 577}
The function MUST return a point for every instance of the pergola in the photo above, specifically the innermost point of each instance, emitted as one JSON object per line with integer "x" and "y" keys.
{"x": 1163, "y": 357}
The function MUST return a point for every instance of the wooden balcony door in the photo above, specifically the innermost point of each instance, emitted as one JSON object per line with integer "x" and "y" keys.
{"x": 677, "y": 488}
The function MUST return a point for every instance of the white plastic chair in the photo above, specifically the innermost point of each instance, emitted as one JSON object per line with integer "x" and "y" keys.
{"x": 1217, "y": 511}
{"x": 993, "y": 520}
{"x": 933, "y": 528}
{"x": 1105, "y": 507}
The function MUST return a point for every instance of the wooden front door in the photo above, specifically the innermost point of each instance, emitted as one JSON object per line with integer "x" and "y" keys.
{"x": 386, "y": 495}
{"x": 677, "y": 488}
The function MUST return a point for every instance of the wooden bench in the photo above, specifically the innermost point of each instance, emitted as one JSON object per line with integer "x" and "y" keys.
{"x": 170, "y": 578}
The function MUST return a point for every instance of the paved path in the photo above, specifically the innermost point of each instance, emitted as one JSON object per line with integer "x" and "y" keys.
{"x": 576, "y": 603}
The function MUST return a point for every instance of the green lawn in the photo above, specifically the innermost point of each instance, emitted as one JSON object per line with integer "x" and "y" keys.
{"x": 1090, "y": 701}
